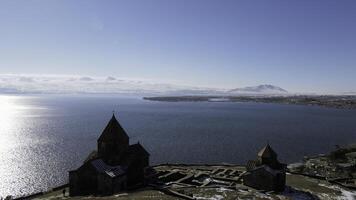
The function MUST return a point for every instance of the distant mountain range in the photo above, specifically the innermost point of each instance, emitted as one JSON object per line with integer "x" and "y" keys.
{"x": 66, "y": 84}
{"x": 260, "y": 89}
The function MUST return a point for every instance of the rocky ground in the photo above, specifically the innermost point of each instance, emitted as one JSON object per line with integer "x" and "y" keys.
{"x": 215, "y": 182}
{"x": 330, "y": 177}
{"x": 337, "y": 167}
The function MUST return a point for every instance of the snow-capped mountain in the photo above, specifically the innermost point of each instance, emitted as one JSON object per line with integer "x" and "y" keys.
{"x": 260, "y": 89}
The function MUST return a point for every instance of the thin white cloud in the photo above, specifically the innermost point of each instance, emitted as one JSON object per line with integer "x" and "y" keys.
{"x": 86, "y": 79}
{"x": 26, "y": 79}
{"x": 72, "y": 84}
{"x": 110, "y": 78}
{"x": 13, "y": 83}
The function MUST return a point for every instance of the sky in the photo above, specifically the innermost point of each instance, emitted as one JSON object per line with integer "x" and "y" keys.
{"x": 300, "y": 45}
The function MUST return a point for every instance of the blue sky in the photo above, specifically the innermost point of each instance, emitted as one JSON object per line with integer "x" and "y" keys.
{"x": 302, "y": 46}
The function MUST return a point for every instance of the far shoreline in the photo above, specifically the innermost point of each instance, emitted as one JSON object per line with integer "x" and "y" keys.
{"x": 329, "y": 101}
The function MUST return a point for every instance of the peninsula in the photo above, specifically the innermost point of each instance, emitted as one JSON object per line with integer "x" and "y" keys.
{"x": 333, "y": 101}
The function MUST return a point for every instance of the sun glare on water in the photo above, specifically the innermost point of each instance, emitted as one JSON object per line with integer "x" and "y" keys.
{"x": 7, "y": 110}
{"x": 10, "y": 112}
{"x": 7, "y": 115}
{"x": 13, "y": 116}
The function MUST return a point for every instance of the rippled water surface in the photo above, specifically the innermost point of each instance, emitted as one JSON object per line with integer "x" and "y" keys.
{"x": 42, "y": 137}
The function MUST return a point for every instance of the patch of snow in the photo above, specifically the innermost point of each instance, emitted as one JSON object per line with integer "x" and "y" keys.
{"x": 222, "y": 189}
{"x": 346, "y": 194}
{"x": 215, "y": 197}
{"x": 121, "y": 195}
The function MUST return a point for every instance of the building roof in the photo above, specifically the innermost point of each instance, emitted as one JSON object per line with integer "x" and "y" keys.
{"x": 93, "y": 155}
{"x": 112, "y": 171}
{"x": 113, "y": 130}
{"x": 268, "y": 169}
{"x": 267, "y": 152}
{"x": 138, "y": 149}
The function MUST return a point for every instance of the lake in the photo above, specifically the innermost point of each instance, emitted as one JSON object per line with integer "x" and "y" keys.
{"x": 42, "y": 137}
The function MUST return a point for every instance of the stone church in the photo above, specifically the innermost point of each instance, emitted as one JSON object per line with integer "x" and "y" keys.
{"x": 266, "y": 173}
{"x": 113, "y": 167}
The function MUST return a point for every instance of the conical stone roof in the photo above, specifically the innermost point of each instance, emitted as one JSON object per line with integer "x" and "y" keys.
{"x": 267, "y": 152}
{"x": 113, "y": 131}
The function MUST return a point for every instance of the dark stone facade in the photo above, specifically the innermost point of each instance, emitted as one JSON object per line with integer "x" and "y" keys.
{"x": 113, "y": 167}
{"x": 266, "y": 173}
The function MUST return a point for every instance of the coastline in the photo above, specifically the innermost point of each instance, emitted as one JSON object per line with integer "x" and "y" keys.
{"x": 339, "y": 102}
